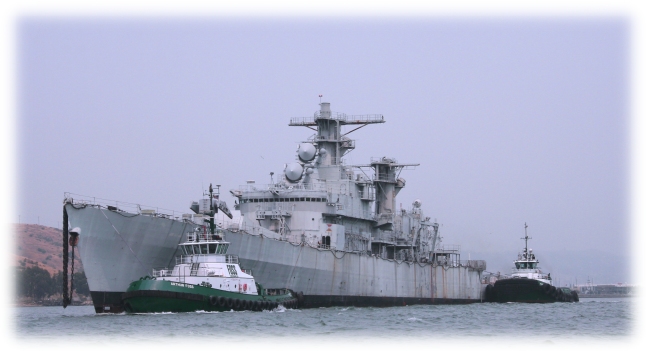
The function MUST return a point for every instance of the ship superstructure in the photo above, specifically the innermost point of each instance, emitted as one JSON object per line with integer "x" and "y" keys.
{"x": 526, "y": 265}
{"x": 333, "y": 231}
{"x": 322, "y": 202}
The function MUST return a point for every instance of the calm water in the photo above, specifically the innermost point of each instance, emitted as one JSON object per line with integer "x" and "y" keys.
{"x": 591, "y": 321}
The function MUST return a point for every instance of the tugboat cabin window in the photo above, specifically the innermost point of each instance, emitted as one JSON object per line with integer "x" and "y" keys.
{"x": 222, "y": 249}
{"x": 211, "y": 248}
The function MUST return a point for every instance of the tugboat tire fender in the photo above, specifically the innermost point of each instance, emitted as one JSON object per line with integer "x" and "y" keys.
{"x": 213, "y": 300}
{"x": 221, "y": 301}
{"x": 237, "y": 303}
{"x": 552, "y": 291}
{"x": 229, "y": 302}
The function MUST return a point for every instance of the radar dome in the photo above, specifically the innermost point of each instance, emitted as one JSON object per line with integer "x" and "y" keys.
{"x": 293, "y": 172}
{"x": 417, "y": 203}
{"x": 306, "y": 152}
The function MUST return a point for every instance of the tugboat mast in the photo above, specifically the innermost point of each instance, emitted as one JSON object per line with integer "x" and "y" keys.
{"x": 526, "y": 238}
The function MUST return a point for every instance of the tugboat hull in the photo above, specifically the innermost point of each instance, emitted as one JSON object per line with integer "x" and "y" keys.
{"x": 527, "y": 290}
{"x": 156, "y": 296}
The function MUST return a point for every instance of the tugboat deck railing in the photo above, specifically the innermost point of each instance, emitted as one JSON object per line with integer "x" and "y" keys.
{"x": 232, "y": 259}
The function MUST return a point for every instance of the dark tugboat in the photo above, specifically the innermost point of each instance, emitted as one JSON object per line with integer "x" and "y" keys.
{"x": 528, "y": 283}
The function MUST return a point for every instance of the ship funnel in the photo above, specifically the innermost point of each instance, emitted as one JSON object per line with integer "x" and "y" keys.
{"x": 325, "y": 110}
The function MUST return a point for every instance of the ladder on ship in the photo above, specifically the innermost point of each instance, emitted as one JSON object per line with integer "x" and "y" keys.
{"x": 194, "y": 268}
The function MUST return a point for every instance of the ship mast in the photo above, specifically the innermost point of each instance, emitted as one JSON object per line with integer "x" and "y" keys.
{"x": 526, "y": 238}
{"x": 214, "y": 209}
{"x": 331, "y": 143}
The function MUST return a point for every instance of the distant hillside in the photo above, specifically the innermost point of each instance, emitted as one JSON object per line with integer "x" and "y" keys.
{"x": 38, "y": 245}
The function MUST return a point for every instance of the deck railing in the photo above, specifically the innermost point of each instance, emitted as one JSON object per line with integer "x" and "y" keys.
{"x": 122, "y": 206}
{"x": 233, "y": 259}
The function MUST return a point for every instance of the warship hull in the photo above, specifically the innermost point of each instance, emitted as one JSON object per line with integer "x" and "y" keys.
{"x": 118, "y": 247}
{"x": 336, "y": 278}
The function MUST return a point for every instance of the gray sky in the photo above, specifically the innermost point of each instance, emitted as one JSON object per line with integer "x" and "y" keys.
{"x": 513, "y": 119}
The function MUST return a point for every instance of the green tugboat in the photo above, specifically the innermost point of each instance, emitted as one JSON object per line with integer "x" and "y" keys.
{"x": 528, "y": 283}
{"x": 204, "y": 278}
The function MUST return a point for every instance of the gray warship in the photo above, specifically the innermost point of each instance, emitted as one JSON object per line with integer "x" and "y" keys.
{"x": 325, "y": 229}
